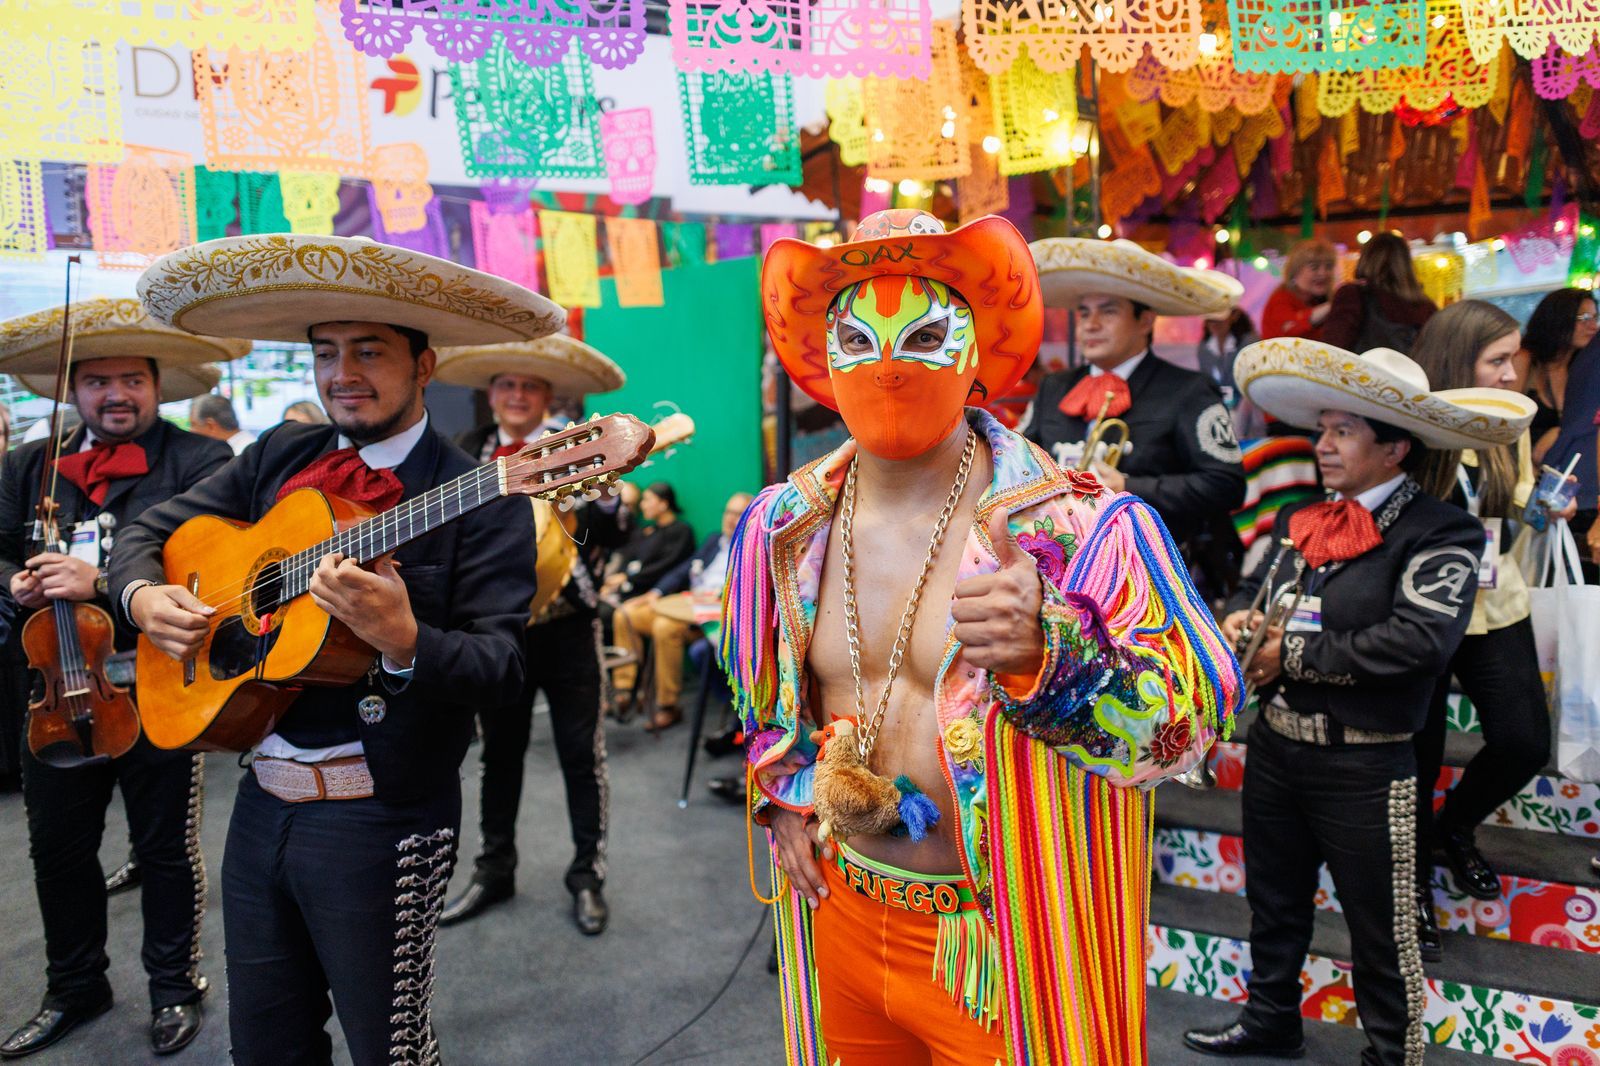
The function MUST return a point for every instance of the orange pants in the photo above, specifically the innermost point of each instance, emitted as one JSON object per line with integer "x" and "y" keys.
{"x": 880, "y": 1004}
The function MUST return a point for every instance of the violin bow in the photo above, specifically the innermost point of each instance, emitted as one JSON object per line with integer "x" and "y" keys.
{"x": 50, "y": 476}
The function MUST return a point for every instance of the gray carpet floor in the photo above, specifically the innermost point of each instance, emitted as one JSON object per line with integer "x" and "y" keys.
{"x": 520, "y": 986}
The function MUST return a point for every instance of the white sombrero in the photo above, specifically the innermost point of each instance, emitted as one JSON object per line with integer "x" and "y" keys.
{"x": 571, "y": 367}
{"x": 1295, "y": 380}
{"x": 1070, "y": 267}
{"x": 276, "y": 286}
{"x": 105, "y": 328}
{"x": 180, "y": 381}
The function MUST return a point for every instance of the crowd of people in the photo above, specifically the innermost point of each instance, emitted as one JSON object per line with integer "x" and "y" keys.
{"x": 1086, "y": 559}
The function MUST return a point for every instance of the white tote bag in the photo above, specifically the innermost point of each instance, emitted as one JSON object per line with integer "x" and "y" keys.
{"x": 1534, "y": 557}
{"x": 1577, "y": 661}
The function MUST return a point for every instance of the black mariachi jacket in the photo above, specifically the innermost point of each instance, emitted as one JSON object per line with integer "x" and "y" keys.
{"x": 1391, "y": 619}
{"x": 601, "y": 529}
{"x": 1184, "y": 460}
{"x": 469, "y": 583}
{"x": 177, "y": 459}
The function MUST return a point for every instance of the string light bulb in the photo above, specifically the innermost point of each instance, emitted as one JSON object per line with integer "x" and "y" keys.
{"x": 1364, "y": 236}
{"x": 1105, "y": 231}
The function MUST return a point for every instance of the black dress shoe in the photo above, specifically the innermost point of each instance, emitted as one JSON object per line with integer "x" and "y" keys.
{"x": 589, "y": 910}
{"x": 47, "y": 1027}
{"x": 1235, "y": 1040}
{"x": 479, "y": 897}
{"x": 124, "y": 877}
{"x": 174, "y": 1028}
{"x": 728, "y": 789}
{"x": 1428, "y": 938}
{"x": 1473, "y": 874}
{"x": 724, "y": 743}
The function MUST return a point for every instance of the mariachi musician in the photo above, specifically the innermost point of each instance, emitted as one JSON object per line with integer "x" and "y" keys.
{"x": 1344, "y": 636}
{"x": 343, "y": 834}
{"x": 562, "y": 638}
{"x": 123, "y": 460}
{"x": 1181, "y": 456}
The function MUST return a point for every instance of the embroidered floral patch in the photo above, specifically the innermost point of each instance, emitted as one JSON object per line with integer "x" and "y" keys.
{"x": 963, "y": 738}
{"x": 1171, "y": 741}
{"x": 1052, "y": 550}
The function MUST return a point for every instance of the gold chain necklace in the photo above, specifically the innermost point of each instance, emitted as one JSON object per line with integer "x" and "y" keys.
{"x": 867, "y": 733}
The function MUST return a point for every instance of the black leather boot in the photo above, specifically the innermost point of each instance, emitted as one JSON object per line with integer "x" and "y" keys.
{"x": 478, "y": 897}
{"x": 49, "y": 1026}
{"x": 1234, "y": 1040}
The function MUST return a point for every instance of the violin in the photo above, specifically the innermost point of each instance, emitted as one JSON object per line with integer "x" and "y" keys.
{"x": 80, "y": 717}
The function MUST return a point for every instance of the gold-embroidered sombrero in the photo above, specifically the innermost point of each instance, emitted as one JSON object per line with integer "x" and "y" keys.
{"x": 986, "y": 261}
{"x": 104, "y": 328}
{"x": 273, "y": 287}
{"x": 1070, "y": 267}
{"x": 572, "y": 367}
{"x": 1295, "y": 380}
{"x": 179, "y": 381}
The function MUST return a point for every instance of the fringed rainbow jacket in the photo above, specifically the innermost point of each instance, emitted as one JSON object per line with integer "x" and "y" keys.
{"x": 1050, "y": 789}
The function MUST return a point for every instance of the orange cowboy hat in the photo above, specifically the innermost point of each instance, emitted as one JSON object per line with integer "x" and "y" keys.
{"x": 987, "y": 261}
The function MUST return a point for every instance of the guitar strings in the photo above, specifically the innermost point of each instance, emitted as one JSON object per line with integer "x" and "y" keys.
{"x": 230, "y": 599}
{"x": 235, "y": 593}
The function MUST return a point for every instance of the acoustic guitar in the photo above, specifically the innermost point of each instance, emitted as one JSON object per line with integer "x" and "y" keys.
{"x": 268, "y": 639}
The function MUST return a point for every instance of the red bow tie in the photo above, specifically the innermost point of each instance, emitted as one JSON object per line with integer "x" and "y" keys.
{"x": 1087, "y": 395}
{"x": 342, "y": 473}
{"x": 94, "y": 470}
{"x": 1333, "y": 532}
{"x": 508, "y": 449}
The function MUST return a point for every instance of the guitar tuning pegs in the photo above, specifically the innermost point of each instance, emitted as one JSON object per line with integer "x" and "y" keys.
{"x": 591, "y": 494}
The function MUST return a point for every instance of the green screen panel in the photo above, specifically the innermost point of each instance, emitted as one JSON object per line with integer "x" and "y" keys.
{"x": 702, "y": 351}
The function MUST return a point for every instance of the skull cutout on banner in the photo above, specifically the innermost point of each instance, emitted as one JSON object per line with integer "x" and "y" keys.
{"x": 630, "y": 149}
{"x": 400, "y": 182}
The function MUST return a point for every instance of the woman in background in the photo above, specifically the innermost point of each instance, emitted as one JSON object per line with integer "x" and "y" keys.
{"x": 1561, "y": 326}
{"x": 1299, "y": 306}
{"x": 1473, "y": 344}
{"x": 1385, "y": 306}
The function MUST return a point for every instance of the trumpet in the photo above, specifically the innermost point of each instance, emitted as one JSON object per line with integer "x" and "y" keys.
{"x": 1276, "y": 614}
{"x": 1097, "y": 435}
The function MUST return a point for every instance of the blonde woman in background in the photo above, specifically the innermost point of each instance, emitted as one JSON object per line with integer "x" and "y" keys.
{"x": 1473, "y": 344}
{"x": 1299, "y": 306}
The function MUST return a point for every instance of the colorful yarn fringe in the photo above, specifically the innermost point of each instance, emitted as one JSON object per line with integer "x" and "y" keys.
{"x": 1202, "y": 666}
{"x": 750, "y": 615}
{"x": 797, "y": 978}
{"x": 1072, "y": 898}
{"x": 966, "y": 960}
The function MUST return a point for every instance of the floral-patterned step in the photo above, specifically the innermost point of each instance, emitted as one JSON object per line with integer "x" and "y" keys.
{"x": 1549, "y": 914}
{"x": 1480, "y": 1020}
{"x": 1546, "y": 804}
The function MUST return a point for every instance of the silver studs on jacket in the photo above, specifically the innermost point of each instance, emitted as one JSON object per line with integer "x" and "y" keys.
{"x": 1403, "y": 848}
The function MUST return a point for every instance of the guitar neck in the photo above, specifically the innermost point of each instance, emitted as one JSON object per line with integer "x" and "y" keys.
{"x": 398, "y": 526}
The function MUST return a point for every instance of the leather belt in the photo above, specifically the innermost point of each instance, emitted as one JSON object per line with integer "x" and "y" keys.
{"x": 1322, "y": 730}
{"x": 300, "y": 782}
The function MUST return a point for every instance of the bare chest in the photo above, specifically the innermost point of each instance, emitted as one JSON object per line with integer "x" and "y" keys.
{"x": 889, "y": 557}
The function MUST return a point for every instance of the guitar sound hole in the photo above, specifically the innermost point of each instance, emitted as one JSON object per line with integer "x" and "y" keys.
{"x": 267, "y": 592}
{"x": 235, "y": 651}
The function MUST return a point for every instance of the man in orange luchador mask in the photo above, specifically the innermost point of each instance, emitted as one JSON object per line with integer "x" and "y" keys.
{"x": 929, "y": 635}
